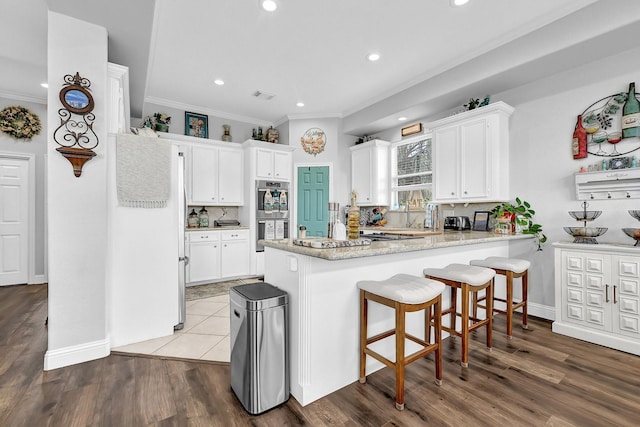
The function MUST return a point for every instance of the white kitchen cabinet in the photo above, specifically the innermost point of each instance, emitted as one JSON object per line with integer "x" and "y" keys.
{"x": 231, "y": 177}
{"x": 204, "y": 256}
{"x": 217, "y": 254}
{"x": 272, "y": 164}
{"x": 370, "y": 172}
{"x": 217, "y": 176}
{"x": 471, "y": 155}
{"x": 598, "y": 294}
{"x": 234, "y": 254}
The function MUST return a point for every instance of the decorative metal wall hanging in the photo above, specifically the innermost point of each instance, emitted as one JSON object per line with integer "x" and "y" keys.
{"x": 75, "y": 135}
{"x": 602, "y": 124}
{"x": 313, "y": 141}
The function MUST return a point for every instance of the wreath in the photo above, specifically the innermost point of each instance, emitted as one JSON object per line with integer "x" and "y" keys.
{"x": 19, "y": 122}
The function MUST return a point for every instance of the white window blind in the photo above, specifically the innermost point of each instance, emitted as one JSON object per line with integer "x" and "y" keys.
{"x": 411, "y": 172}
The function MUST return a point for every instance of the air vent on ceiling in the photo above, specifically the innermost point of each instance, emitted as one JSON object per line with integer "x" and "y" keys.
{"x": 260, "y": 94}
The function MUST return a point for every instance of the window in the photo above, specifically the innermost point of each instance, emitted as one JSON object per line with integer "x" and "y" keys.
{"x": 411, "y": 178}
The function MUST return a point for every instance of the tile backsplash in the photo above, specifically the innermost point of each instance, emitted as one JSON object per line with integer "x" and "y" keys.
{"x": 216, "y": 212}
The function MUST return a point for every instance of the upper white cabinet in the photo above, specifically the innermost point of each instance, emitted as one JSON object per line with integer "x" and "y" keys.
{"x": 370, "y": 172}
{"x": 269, "y": 161}
{"x": 471, "y": 155}
{"x": 231, "y": 176}
{"x": 272, "y": 164}
{"x": 217, "y": 176}
{"x": 598, "y": 294}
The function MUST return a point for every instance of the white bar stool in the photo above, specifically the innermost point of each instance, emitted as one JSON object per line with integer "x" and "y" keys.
{"x": 511, "y": 268}
{"x": 404, "y": 293}
{"x": 469, "y": 279}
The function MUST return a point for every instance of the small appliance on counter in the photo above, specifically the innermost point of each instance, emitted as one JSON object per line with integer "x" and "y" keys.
{"x": 226, "y": 223}
{"x": 458, "y": 223}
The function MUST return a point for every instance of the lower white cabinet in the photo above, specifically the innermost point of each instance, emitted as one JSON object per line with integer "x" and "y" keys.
{"x": 234, "y": 254}
{"x": 598, "y": 294}
{"x": 217, "y": 254}
{"x": 204, "y": 256}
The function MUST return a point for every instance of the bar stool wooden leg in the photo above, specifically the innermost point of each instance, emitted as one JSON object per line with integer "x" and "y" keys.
{"x": 400, "y": 363}
{"x": 509, "y": 302}
{"x": 454, "y": 306}
{"x": 525, "y": 289}
{"x": 363, "y": 336}
{"x": 489, "y": 293}
{"x": 437, "y": 326}
{"x": 465, "y": 325}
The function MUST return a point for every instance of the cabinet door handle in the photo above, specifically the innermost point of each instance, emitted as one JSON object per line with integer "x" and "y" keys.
{"x": 606, "y": 293}
{"x": 615, "y": 301}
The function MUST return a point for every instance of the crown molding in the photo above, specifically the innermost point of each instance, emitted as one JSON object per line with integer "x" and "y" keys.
{"x": 200, "y": 109}
{"x": 315, "y": 116}
{"x": 25, "y": 98}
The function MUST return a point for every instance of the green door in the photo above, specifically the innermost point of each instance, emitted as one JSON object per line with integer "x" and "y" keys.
{"x": 313, "y": 199}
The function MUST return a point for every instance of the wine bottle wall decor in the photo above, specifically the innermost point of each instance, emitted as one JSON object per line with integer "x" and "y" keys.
{"x": 611, "y": 124}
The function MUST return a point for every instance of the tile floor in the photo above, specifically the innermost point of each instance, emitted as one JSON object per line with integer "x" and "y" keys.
{"x": 205, "y": 335}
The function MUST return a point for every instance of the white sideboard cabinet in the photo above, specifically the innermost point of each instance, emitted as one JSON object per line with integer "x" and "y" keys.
{"x": 471, "y": 155}
{"x": 598, "y": 294}
{"x": 370, "y": 172}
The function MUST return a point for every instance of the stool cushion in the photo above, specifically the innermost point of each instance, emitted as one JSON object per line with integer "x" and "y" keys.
{"x": 502, "y": 263}
{"x": 404, "y": 288}
{"x": 462, "y": 273}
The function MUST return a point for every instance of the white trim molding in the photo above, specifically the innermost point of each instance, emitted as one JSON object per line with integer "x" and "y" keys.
{"x": 542, "y": 311}
{"x": 59, "y": 358}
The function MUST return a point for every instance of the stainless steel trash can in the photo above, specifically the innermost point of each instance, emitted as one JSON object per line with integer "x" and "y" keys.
{"x": 259, "y": 346}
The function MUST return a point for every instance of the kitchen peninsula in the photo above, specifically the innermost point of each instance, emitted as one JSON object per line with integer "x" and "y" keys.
{"x": 324, "y": 304}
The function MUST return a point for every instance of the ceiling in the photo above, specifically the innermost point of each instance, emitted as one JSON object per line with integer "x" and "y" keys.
{"x": 315, "y": 52}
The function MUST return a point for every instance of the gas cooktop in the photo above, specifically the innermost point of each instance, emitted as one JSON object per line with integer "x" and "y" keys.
{"x": 376, "y": 237}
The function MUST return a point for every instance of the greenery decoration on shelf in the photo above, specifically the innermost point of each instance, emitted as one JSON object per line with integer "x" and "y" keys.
{"x": 522, "y": 215}
{"x": 156, "y": 119}
{"x": 19, "y": 122}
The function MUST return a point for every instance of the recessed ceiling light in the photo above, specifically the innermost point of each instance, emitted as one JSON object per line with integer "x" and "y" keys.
{"x": 402, "y": 119}
{"x": 44, "y": 85}
{"x": 373, "y": 57}
{"x": 300, "y": 104}
{"x": 269, "y": 5}
{"x": 219, "y": 82}
{"x": 459, "y": 2}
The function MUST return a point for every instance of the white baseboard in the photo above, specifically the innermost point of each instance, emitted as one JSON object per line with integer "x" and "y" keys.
{"x": 38, "y": 279}
{"x": 54, "y": 359}
{"x": 542, "y": 311}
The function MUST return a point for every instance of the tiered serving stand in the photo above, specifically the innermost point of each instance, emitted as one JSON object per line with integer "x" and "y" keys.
{"x": 634, "y": 233}
{"x": 586, "y": 234}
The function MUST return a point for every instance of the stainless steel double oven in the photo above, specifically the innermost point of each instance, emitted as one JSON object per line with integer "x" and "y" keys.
{"x": 272, "y": 220}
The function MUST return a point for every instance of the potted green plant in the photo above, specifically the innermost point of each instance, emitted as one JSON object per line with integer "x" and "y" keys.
{"x": 520, "y": 215}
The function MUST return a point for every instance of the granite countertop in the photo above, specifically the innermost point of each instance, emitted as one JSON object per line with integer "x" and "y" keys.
{"x": 229, "y": 227}
{"x": 444, "y": 240}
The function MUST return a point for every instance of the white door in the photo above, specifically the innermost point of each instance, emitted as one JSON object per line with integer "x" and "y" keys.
{"x": 14, "y": 221}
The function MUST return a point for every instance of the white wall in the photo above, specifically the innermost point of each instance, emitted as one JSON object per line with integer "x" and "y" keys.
{"x": 240, "y": 131}
{"x": 336, "y": 154}
{"x": 76, "y": 206}
{"x": 38, "y": 148}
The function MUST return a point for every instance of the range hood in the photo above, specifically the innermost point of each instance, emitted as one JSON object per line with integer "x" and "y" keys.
{"x": 611, "y": 184}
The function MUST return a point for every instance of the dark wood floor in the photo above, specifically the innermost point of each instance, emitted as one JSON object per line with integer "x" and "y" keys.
{"x": 538, "y": 378}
